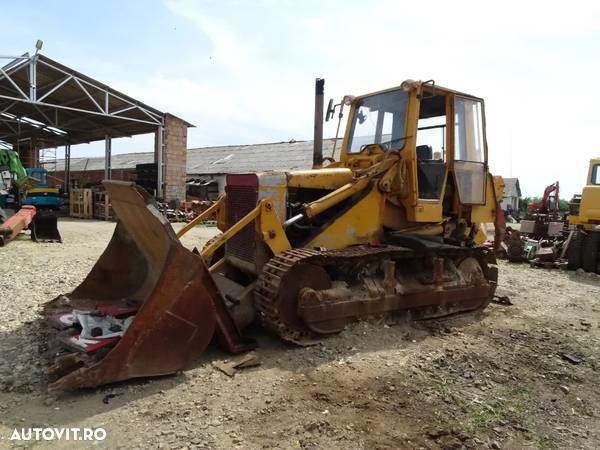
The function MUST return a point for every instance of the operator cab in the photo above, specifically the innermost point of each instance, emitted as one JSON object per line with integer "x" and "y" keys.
{"x": 450, "y": 135}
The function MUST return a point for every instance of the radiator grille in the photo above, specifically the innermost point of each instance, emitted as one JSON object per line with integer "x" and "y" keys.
{"x": 242, "y": 200}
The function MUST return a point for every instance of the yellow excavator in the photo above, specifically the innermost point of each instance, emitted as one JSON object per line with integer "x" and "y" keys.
{"x": 390, "y": 222}
{"x": 584, "y": 215}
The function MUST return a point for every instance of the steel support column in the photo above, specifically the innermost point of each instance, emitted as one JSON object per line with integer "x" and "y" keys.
{"x": 33, "y": 79}
{"x": 160, "y": 158}
{"x": 67, "y": 183}
{"x": 107, "y": 157}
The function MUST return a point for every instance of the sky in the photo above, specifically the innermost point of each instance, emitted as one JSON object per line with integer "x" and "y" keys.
{"x": 243, "y": 71}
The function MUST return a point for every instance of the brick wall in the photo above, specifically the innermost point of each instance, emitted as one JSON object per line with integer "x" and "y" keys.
{"x": 175, "y": 157}
{"x": 29, "y": 153}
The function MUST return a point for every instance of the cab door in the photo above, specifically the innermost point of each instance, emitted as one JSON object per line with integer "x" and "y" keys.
{"x": 470, "y": 152}
{"x": 431, "y": 156}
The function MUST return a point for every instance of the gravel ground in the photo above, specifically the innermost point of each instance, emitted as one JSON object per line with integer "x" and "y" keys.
{"x": 498, "y": 379}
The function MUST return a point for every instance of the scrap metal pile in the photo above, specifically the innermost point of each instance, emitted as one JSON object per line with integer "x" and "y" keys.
{"x": 542, "y": 244}
{"x": 92, "y": 329}
{"x": 183, "y": 211}
{"x": 544, "y": 235}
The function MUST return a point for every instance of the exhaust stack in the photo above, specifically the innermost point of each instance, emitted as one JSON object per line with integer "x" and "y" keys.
{"x": 318, "y": 136}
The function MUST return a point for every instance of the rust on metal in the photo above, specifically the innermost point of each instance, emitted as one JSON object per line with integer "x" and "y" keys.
{"x": 16, "y": 223}
{"x": 145, "y": 267}
{"x": 297, "y": 299}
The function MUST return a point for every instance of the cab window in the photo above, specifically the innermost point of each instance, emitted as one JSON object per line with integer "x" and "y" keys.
{"x": 596, "y": 174}
{"x": 379, "y": 119}
{"x": 469, "y": 150}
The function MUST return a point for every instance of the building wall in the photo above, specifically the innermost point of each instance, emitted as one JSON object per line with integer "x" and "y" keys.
{"x": 175, "y": 157}
{"x": 81, "y": 178}
{"x": 512, "y": 202}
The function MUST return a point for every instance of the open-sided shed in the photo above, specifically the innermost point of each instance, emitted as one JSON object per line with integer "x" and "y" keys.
{"x": 45, "y": 104}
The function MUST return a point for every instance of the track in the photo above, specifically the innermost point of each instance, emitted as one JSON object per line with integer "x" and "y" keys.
{"x": 286, "y": 274}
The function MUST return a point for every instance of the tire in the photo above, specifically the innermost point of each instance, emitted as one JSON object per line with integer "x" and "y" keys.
{"x": 591, "y": 245}
{"x": 575, "y": 251}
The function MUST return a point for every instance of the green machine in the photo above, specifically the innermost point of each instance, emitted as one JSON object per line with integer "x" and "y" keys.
{"x": 20, "y": 186}
{"x": 12, "y": 174}
{"x": 9, "y": 160}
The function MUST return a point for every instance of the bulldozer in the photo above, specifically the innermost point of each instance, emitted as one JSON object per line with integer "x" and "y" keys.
{"x": 584, "y": 216}
{"x": 391, "y": 222}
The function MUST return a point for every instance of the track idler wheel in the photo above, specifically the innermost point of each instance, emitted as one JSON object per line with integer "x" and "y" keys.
{"x": 278, "y": 291}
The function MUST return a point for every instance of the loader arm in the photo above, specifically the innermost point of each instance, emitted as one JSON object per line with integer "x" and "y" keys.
{"x": 348, "y": 190}
{"x": 213, "y": 209}
{"x": 268, "y": 225}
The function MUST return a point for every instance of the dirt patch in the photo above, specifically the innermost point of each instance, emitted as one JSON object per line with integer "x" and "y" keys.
{"x": 504, "y": 378}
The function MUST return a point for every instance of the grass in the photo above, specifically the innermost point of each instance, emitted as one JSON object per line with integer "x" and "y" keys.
{"x": 494, "y": 407}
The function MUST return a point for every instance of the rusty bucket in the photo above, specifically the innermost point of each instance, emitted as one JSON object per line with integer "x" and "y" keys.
{"x": 144, "y": 269}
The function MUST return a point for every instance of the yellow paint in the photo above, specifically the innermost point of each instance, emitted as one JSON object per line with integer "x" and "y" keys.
{"x": 499, "y": 186}
{"x": 270, "y": 228}
{"x": 359, "y": 225}
{"x": 593, "y": 162}
{"x": 486, "y": 212}
{"x": 44, "y": 190}
{"x": 273, "y": 186}
{"x": 319, "y": 178}
{"x": 388, "y": 179}
{"x": 213, "y": 209}
{"x": 589, "y": 207}
{"x": 222, "y": 216}
{"x": 394, "y": 216}
{"x": 268, "y": 225}
{"x": 335, "y": 197}
{"x": 232, "y": 230}
{"x": 348, "y": 190}
{"x": 426, "y": 211}
{"x": 480, "y": 235}
{"x": 395, "y": 181}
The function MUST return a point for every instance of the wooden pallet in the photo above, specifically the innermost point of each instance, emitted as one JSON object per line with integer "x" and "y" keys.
{"x": 102, "y": 207}
{"x": 81, "y": 204}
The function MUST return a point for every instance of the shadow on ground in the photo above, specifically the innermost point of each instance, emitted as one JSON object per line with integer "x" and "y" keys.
{"x": 25, "y": 348}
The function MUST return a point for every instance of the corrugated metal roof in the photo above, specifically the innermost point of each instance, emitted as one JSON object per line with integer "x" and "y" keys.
{"x": 214, "y": 160}
{"x": 65, "y": 106}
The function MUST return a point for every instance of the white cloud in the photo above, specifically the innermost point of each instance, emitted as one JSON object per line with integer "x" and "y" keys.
{"x": 228, "y": 46}
{"x": 533, "y": 62}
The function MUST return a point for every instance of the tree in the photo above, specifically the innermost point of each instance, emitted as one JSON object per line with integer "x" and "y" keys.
{"x": 525, "y": 201}
{"x": 563, "y": 204}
